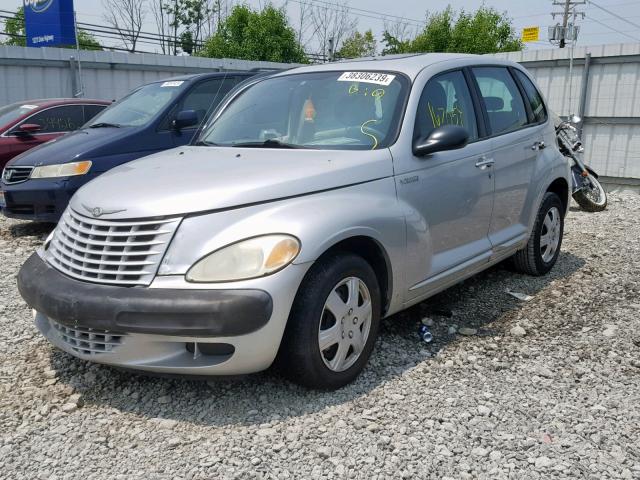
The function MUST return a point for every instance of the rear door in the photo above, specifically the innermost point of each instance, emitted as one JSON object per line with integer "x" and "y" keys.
{"x": 514, "y": 145}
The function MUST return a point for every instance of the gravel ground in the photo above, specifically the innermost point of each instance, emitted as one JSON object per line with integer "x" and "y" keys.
{"x": 542, "y": 388}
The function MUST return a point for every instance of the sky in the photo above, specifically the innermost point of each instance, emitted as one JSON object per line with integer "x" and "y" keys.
{"x": 597, "y": 28}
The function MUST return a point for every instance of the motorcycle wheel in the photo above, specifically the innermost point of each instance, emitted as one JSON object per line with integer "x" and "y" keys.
{"x": 591, "y": 198}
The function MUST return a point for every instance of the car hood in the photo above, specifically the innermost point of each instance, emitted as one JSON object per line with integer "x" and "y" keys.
{"x": 77, "y": 145}
{"x": 196, "y": 179}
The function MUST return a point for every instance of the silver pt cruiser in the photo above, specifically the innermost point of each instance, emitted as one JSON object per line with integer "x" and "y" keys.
{"x": 315, "y": 202}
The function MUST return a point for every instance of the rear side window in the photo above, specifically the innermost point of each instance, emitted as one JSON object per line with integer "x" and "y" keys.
{"x": 58, "y": 119}
{"x": 445, "y": 100}
{"x": 502, "y": 99}
{"x": 91, "y": 111}
{"x": 534, "y": 98}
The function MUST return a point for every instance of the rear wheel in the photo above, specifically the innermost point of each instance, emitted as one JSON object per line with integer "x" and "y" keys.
{"x": 333, "y": 323}
{"x": 543, "y": 247}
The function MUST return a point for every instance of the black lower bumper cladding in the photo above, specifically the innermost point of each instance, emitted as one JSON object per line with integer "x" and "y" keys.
{"x": 208, "y": 313}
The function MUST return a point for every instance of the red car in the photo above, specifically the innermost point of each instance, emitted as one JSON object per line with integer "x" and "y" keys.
{"x": 24, "y": 125}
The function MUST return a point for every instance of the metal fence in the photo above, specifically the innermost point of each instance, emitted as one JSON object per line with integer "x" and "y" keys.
{"x": 28, "y": 73}
{"x": 604, "y": 87}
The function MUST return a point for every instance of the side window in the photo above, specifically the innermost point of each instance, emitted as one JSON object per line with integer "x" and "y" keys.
{"x": 534, "y": 98}
{"x": 91, "y": 111}
{"x": 206, "y": 95}
{"x": 446, "y": 100}
{"x": 502, "y": 99}
{"x": 58, "y": 119}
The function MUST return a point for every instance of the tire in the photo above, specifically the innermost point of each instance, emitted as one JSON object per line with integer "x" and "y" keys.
{"x": 537, "y": 259}
{"x": 592, "y": 202}
{"x": 300, "y": 358}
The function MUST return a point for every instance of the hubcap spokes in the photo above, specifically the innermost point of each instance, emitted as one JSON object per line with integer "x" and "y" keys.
{"x": 550, "y": 235}
{"x": 345, "y": 324}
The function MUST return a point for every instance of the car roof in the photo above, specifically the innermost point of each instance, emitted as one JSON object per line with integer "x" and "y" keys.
{"x": 49, "y": 102}
{"x": 199, "y": 76}
{"x": 409, "y": 64}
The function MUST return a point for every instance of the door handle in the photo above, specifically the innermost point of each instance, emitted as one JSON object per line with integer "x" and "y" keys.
{"x": 485, "y": 162}
{"x": 538, "y": 146}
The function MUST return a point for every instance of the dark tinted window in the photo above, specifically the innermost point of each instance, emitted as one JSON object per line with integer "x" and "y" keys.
{"x": 58, "y": 119}
{"x": 206, "y": 95}
{"x": 534, "y": 98}
{"x": 91, "y": 111}
{"x": 502, "y": 99}
{"x": 446, "y": 100}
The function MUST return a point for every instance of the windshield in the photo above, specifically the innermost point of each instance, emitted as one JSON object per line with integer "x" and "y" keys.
{"x": 140, "y": 106}
{"x": 324, "y": 110}
{"x": 10, "y": 113}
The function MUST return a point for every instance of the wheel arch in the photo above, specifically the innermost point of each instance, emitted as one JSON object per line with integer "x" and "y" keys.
{"x": 560, "y": 187}
{"x": 374, "y": 253}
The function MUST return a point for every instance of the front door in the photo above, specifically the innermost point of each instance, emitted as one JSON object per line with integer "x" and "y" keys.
{"x": 450, "y": 193}
{"x": 54, "y": 121}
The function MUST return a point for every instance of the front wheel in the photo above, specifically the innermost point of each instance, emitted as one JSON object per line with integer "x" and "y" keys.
{"x": 591, "y": 198}
{"x": 543, "y": 247}
{"x": 333, "y": 323}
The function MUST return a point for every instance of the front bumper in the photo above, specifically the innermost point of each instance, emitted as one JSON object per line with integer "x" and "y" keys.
{"x": 202, "y": 313}
{"x": 41, "y": 200}
{"x": 163, "y": 329}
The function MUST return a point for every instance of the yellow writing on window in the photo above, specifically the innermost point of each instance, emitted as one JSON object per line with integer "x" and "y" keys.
{"x": 441, "y": 116}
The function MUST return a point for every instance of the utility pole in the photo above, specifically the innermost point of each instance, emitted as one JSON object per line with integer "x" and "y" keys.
{"x": 568, "y": 31}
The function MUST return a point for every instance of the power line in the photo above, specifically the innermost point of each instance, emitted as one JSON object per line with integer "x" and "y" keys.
{"x": 616, "y": 30}
{"x": 361, "y": 12}
{"x": 613, "y": 14}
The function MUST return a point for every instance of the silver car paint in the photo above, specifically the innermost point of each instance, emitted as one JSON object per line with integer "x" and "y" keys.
{"x": 433, "y": 217}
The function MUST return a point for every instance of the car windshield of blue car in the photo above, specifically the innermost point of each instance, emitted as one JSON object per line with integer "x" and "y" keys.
{"x": 139, "y": 107}
{"x": 356, "y": 110}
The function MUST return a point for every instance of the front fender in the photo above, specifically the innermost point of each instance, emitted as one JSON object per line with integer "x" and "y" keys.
{"x": 320, "y": 221}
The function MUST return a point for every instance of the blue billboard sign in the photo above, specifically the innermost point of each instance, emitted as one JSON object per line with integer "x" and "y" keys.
{"x": 49, "y": 23}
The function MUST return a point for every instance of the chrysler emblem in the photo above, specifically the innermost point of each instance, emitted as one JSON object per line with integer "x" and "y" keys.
{"x": 98, "y": 212}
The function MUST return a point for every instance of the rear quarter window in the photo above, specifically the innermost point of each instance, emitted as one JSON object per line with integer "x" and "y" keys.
{"x": 533, "y": 97}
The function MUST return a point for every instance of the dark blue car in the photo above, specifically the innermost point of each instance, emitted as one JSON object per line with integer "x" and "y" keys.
{"x": 38, "y": 184}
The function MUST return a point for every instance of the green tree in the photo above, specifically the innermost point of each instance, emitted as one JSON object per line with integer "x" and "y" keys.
{"x": 15, "y": 30}
{"x": 483, "y": 31}
{"x": 358, "y": 45}
{"x": 255, "y": 35}
{"x": 189, "y": 16}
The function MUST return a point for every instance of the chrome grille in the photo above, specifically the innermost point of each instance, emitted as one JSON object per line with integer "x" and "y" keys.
{"x": 109, "y": 251}
{"x": 88, "y": 341}
{"x": 15, "y": 174}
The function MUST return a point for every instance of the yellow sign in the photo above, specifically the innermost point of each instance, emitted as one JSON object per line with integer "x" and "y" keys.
{"x": 531, "y": 34}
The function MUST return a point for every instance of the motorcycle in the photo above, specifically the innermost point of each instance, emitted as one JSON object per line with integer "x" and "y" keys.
{"x": 586, "y": 189}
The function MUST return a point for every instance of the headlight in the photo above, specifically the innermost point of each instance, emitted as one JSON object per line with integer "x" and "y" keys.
{"x": 251, "y": 258}
{"x": 61, "y": 170}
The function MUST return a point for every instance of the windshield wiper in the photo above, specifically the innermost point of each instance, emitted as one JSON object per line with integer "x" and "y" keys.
{"x": 269, "y": 143}
{"x": 200, "y": 143}
{"x": 104, "y": 125}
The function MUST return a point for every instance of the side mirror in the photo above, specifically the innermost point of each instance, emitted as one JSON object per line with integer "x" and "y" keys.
{"x": 27, "y": 128}
{"x": 447, "y": 137}
{"x": 185, "y": 118}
